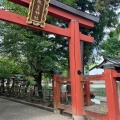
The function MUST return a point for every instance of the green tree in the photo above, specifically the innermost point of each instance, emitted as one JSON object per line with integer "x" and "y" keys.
{"x": 40, "y": 50}
{"x": 44, "y": 52}
{"x": 106, "y": 11}
{"x": 111, "y": 46}
{"x": 8, "y": 67}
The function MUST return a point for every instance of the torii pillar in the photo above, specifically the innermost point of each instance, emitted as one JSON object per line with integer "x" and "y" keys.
{"x": 75, "y": 65}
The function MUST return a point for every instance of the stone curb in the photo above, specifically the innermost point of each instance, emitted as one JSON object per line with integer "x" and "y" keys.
{"x": 28, "y": 103}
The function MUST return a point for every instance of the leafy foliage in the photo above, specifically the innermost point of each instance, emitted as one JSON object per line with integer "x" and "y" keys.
{"x": 40, "y": 50}
{"x": 101, "y": 4}
{"x": 30, "y": 80}
{"x": 106, "y": 11}
{"x": 9, "y": 67}
{"x": 111, "y": 46}
{"x": 14, "y": 8}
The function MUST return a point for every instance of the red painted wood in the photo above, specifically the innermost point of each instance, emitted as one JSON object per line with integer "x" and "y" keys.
{"x": 72, "y": 67}
{"x": 24, "y": 3}
{"x": 86, "y": 38}
{"x": 87, "y": 90}
{"x": 21, "y": 20}
{"x": 78, "y": 66}
{"x": 66, "y": 16}
{"x": 56, "y": 91}
{"x": 93, "y": 77}
{"x": 59, "y": 13}
{"x": 118, "y": 117}
{"x": 65, "y": 107}
{"x": 111, "y": 94}
{"x": 116, "y": 74}
{"x": 75, "y": 65}
{"x": 61, "y": 79}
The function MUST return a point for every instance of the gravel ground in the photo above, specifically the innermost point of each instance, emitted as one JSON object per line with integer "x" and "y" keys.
{"x": 101, "y": 109}
{"x": 15, "y": 111}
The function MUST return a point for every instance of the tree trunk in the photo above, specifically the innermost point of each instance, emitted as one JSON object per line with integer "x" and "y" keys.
{"x": 2, "y": 86}
{"x": 38, "y": 80}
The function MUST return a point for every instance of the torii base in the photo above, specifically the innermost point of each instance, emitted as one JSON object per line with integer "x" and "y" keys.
{"x": 78, "y": 117}
{"x": 57, "y": 111}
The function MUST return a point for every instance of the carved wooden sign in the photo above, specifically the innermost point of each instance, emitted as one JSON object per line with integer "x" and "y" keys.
{"x": 38, "y": 10}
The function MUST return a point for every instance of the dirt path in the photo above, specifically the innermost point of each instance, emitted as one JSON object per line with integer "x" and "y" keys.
{"x": 10, "y": 110}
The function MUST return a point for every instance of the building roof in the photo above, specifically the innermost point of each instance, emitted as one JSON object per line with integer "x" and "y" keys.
{"x": 74, "y": 11}
{"x": 115, "y": 62}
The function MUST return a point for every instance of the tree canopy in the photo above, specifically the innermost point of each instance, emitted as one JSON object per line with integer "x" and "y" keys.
{"x": 111, "y": 46}
{"x": 106, "y": 11}
{"x": 9, "y": 67}
{"x": 45, "y": 51}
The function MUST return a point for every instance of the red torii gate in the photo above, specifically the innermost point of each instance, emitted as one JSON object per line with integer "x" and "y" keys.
{"x": 76, "y": 19}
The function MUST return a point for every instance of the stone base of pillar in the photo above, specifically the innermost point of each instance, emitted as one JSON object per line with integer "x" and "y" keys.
{"x": 57, "y": 111}
{"x": 78, "y": 117}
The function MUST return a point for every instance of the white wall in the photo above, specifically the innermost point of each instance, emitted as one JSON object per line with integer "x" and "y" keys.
{"x": 96, "y": 71}
{"x": 97, "y": 84}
